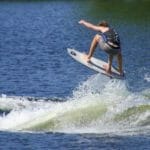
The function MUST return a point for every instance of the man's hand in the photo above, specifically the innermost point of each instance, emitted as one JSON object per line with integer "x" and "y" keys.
{"x": 81, "y": 22}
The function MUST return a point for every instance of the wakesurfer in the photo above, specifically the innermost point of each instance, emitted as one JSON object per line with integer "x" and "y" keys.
{"x": 108, "y": 40}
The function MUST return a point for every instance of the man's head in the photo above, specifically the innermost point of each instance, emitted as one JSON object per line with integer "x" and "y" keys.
{"x": 103, "y": 23}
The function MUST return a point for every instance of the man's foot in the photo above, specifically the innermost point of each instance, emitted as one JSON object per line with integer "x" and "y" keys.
{"x": 120, "y": 71}
{"x": 86, "y": 58}
{"x": 107, "y": 69}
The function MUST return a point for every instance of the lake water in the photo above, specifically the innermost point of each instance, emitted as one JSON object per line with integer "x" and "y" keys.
{"x": 49, "y": 101}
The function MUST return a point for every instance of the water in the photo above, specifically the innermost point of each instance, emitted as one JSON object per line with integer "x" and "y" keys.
{"x": 49, "y": 101}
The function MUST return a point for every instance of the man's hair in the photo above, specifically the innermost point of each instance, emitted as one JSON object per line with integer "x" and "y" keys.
{"x": 103, "y": 23}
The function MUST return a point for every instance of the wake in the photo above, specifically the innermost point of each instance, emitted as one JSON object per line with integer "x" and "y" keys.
{"x": 98, "y": 105}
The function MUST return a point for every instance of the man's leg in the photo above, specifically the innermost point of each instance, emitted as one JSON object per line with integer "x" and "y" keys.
{"x": 93, "y": 46}
{"x": 108, "y": 68}
{"x": 119, "y": 58}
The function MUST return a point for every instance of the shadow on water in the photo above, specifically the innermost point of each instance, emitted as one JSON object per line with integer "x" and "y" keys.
{"x": 124, "y": 10}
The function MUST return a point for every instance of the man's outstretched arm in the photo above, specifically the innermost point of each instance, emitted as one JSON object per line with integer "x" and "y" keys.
{"x": 89, "y": 25}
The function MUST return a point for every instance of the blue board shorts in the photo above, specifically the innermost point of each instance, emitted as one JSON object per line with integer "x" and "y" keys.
{"x": 107, "y": 48}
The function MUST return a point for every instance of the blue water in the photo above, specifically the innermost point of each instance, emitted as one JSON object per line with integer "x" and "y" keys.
{"x": 49, "y": 101}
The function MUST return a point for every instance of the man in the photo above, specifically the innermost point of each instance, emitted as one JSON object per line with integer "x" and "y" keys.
{"x": 108, "y": 40}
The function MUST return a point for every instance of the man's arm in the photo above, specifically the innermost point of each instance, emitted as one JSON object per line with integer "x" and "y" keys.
{"x": 90, "y": 25}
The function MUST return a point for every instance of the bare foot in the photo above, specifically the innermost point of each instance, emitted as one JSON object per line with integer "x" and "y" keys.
{"x": 120, "y": 71}
{"x": 86, "y": 58}
{"x": 107, "y": 70}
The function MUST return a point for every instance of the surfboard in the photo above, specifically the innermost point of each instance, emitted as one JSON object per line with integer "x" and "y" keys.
{"x": 94, "y": 64}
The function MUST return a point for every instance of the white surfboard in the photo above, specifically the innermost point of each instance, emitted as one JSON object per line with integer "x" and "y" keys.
{"x": 94, "y": 64}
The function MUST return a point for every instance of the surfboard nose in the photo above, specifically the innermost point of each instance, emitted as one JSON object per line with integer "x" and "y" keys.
{"x": 71, "y": 52}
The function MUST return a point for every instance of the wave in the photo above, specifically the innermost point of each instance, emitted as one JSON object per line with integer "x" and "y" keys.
{"x": 96, "y": 105}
